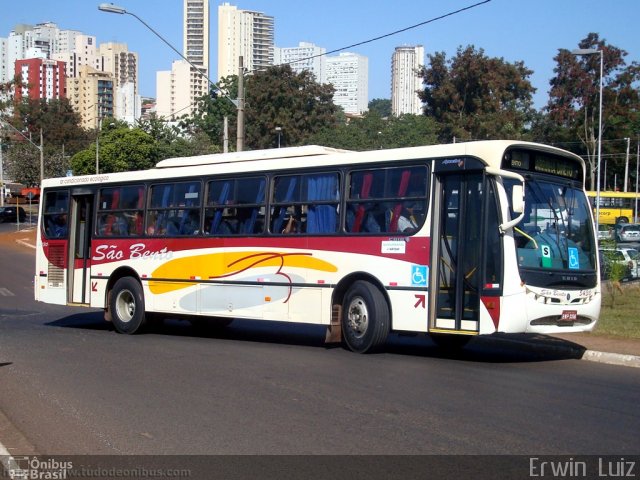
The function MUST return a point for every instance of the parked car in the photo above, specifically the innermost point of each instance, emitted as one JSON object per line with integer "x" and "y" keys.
{"x": 632, "y": 257}
{"x": 618, "y": 258}
{"x": 8, "y": 214}
{"x": 627, "y": 232}
{"x": 605, "y": 232}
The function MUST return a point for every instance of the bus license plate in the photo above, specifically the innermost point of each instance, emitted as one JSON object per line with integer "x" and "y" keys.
{"x": 569, "y": 316}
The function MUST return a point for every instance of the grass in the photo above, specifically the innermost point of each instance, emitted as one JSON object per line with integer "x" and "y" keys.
{"x": 620, "y": 314}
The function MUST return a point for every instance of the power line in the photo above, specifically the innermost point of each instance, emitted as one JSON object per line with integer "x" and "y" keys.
{"x": 380, "y": 37}
{"x": 370, "y": 40}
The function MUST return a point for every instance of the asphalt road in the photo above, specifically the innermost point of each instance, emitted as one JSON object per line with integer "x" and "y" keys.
{"x": 71, "y": 385}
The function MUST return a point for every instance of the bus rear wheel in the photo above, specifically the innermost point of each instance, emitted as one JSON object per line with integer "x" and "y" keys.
{"x": 126, "y": 305}
{"x": 365, "y": 317}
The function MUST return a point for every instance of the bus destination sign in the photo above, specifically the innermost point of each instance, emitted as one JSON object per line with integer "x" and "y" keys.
{"x": 539, "y": 162}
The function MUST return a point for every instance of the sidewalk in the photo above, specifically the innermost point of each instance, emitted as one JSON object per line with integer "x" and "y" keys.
{"x": 588, "y": 346}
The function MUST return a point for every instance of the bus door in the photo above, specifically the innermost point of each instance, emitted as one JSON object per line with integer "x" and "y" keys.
{"x": 80, "y": 227}
{"x": 456, "y": 252}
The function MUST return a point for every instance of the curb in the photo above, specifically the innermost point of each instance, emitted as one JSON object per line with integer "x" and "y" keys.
{"x": 576, "y": 351}
{"x": 612, "y": 358}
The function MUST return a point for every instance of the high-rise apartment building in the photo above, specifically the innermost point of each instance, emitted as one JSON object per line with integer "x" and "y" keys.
{"x": 41, "y": 78}
{"x": 405, "y": 81}
{"x": 178, "y": 89}
{"x": 91, "y": 94}
{"x": 246, "y": 34}
{"x": 196, "y": 45}
{"x": 349, "y": 75}
{"x": 81, "y": 52}
{"x": 123, "y": 64}
{"x": 306, "y": 56}
{"x": 173, "y": 100}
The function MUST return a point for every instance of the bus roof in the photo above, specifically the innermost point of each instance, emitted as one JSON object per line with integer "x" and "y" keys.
{"x": 268, "y": 154}
{"x": 490, "y": 151}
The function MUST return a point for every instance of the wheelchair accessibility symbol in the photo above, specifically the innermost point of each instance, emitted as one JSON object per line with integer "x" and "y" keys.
{"x": 574, "y": 261}
{"x": 419, "y": 275}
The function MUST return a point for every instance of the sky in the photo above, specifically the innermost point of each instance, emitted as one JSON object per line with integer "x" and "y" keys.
{"x": 530, "y": 31}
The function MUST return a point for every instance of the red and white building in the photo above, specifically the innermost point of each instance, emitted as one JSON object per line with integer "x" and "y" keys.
{"x": 41, "y": 78}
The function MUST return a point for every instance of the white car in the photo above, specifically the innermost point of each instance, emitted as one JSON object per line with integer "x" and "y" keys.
{"x": 628, "y": 256}
{"x": 633, "y": 257}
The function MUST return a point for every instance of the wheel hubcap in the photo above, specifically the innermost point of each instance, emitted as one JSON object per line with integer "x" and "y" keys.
{"x": 125, "y": 306}
{"x": 358, "y": 317}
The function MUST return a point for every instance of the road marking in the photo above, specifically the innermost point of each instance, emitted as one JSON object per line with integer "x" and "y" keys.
{"x": 5, "y": 292}
{"x": 25, "y": 242}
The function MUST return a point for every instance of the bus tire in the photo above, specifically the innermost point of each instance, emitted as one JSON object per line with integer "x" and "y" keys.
{"x": 365, "y": 317}
{"x": 126, "y": 304}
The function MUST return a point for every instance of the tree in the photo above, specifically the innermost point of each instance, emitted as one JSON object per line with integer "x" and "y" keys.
{"x": 279, "y": 97}
{"x": 373, "y": 132}
{"x": 575, "y": 94}
{"x": 121, "y": 149}
{"x": 62, "y": 137}
{"x": 210, "y": 111}
{"x": 475, "y": 97}
{"x": 382, "y": 106}
{"x": 171, "y": 141}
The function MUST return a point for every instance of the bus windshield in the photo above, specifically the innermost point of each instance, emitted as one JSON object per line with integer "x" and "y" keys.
{"x": 556, "y": 232}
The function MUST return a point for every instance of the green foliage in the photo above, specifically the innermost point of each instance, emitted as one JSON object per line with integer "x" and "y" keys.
{"x": 575, "y": 95}
{"x": 62, "y": 136}
{"x": 171, "y": 141}
{"x": 279, "y": 97}
{"x": 121, "y": 149}
{"x": 374, "y": 132}
{"x": 60, "y": 125}
{"x": 210, "y": 111}
{"x": 381, "y": 105}
{"x": 620, "y": 314}
{"x": 474, "y": 97}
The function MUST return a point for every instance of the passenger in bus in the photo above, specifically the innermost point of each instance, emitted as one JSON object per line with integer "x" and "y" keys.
{"x": 58, "y": 226}
{"x": 407, "y": 221}
{"x": 291, "y": 225}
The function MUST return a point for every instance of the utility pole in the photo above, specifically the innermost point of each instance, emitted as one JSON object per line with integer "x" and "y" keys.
{"x": 41, "y": 159}
{"x": 626, "y": 166}
{"x": 240, "y": 139}
{"x": 2, "y": 189}
{"x": 225, "y": 135}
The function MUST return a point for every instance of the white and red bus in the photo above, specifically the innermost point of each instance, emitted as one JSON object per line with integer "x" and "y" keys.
{"x": 449, "y": 240}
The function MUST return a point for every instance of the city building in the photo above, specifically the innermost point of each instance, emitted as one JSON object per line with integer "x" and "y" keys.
{"x": 40, "y": 78}
{"x": 173, "y": 100}
{"x": 178, "y": 89}
{"x": 123, "y": 64}
{"x": 349, "y": 75}
{"x": 246, "y": 34}
{"x": 91, "y": 94}
{"x": 81, "y": 52}
{"x": 405, "y": 82}
{"x": 196, "y": 46}
{"x": 3, "y": 60}
{"x": 306, "y": 56}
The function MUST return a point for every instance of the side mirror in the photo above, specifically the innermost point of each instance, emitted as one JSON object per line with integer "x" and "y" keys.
{"x": 517, "y": 199}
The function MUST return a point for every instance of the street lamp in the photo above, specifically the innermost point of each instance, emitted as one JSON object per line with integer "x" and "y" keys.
{"x": 593, "y": 51}
{"x": 279, "y": 132}
{"x": 111, "y": 8}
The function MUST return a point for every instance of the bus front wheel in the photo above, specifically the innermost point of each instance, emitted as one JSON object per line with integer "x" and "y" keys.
{"x": 365, "y": 317}
{"x": 126, "y": 305}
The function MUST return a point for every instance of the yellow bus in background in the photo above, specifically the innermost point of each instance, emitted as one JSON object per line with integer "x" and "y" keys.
{"x": 615, "y": 207}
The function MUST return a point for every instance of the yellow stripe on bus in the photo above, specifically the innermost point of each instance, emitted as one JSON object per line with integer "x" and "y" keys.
{"x": 229, "y": 264}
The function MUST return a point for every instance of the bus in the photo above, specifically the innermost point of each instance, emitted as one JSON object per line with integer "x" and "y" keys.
{"x": 452, "y": 241}
{"x": 615, "y": 207}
